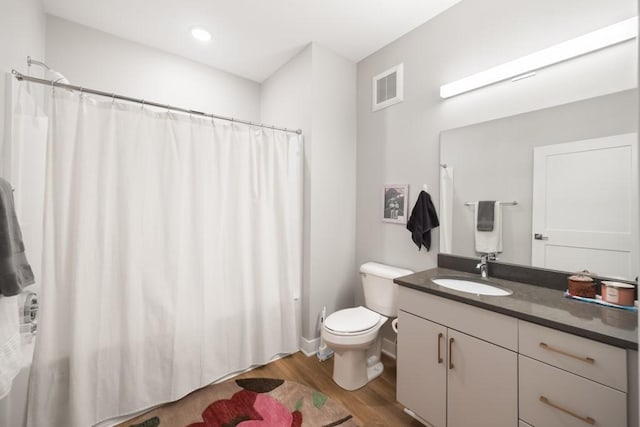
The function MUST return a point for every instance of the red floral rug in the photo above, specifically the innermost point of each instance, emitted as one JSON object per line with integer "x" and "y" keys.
{"x": 250, "y": 402}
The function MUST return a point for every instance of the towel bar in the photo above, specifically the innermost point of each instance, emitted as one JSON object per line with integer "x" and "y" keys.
{"x": 502, "y": 203}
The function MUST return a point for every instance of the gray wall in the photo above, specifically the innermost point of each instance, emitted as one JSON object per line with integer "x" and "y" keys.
{"x": 286, "y": 99}
{"x": 22, "y": 34}
{"x": 494, "y": 161}
{"x": 400, "y": 144}
{"x": 316, "y": 92}
{"x": 332, "y": 272}
{"x": 95, "y": 59}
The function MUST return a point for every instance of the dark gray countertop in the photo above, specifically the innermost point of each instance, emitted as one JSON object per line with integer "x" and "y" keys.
{"x": 544, "y": 306}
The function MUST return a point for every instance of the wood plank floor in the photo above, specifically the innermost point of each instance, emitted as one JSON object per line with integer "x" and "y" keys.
{"x": 374, "y": 404}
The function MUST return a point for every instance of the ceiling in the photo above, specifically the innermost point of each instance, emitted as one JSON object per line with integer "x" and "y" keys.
{"x": 253, "y": 38}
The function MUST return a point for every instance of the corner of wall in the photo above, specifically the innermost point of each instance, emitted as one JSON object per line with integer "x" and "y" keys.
{"x": 315, "y": 91}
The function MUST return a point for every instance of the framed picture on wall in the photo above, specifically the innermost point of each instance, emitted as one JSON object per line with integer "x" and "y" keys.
{"x": 395, "y": 199}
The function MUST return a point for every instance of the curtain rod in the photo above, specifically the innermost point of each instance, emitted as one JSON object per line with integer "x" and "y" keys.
{"x": 52, "y": 83}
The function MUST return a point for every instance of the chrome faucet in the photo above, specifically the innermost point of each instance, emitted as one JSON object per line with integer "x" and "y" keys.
{"x": 482, "y": 265}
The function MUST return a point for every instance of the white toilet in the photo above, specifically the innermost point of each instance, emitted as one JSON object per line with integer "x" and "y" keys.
{"x": 352, "y": 333}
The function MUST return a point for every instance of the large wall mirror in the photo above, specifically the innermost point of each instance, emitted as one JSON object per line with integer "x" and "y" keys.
{"x": 572, "y": 169}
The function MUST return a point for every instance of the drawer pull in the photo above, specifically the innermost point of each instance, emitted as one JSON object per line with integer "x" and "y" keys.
{"x": 440, "y": 335}
{"x": 564, "y": 353}
{"x": 587, "y": 420}
{"x": 450, "y": 353}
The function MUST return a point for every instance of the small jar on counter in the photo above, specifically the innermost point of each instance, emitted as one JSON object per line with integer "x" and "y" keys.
{"x": 618, "y": 292}
{"x": 582, "y": 284}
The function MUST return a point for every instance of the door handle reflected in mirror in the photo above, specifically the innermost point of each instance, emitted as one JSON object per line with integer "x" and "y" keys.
{"x": 540, "y": 236}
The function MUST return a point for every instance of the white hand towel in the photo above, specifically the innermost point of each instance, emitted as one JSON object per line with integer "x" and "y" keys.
{"x": 489, "y": 242}
{"x": 10, "y": 351}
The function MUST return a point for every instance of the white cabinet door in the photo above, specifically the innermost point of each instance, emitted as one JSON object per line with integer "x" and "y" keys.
{"x": 482, "y": 383}
{"x": 421, "y": 368}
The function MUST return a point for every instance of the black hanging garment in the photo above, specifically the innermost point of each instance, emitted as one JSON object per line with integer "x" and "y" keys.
{"x": 15, "y": 271}
{"x": 423, "y": 219}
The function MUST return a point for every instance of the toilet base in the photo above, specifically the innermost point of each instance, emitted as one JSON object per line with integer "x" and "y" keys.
{"x": 353, "y": 369}
{"x": 348, "y": 370}
{"x": 375, "y": 371}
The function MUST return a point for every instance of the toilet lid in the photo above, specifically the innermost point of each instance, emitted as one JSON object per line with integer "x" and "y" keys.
{"x": 352, "y": 320}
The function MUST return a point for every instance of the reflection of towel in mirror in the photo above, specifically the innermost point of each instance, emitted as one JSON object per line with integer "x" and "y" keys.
{"x": 15, "y": 271}
{"x": 490, "y": 241}
{"x": 423, "y": 219}
{"x": 486, "y": 215}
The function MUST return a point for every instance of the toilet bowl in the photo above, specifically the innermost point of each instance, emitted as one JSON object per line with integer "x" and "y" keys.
{"x": 353, "y": 336}
{"x": 353, "y": 333}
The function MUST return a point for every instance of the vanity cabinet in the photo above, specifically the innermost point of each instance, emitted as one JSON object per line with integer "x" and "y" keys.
{"x": 450, "y": 374}
{"x": 460, "y": 365}
{"x": 568, "y": 381}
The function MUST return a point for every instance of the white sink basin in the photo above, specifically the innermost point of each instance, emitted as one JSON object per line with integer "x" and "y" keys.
{"x": 471, "y": 287}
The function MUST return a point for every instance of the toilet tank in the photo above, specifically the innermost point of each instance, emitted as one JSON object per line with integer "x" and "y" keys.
{"x": 380, "y": 293}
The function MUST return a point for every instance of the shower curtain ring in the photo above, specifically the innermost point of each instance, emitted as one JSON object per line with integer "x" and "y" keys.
{"x": 113, "y": 98}
{"x": 142, "y": 106}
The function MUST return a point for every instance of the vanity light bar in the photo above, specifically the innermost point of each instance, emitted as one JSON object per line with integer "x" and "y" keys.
{"x": 599, "y": 39}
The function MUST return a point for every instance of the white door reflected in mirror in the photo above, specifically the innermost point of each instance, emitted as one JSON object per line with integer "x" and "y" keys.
{"x": 585, "y": 206}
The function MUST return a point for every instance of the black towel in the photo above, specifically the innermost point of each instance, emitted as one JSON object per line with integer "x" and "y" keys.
{"x": 423, "y": 219}
{"x": 15, "y": 271}
{"x": 486, "y": 213}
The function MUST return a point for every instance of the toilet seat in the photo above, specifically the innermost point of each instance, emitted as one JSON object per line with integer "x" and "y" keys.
{"x": 352, "y": 321}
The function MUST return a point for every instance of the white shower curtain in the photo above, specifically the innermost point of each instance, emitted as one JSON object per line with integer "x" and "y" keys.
{"x": 172, "y": 257}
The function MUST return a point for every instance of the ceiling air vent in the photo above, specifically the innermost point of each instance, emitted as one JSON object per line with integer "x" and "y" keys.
{"x": 388, "y": 88}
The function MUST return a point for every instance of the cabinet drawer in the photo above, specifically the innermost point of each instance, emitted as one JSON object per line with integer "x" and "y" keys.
{"x": 566, "y": 393}
{"x": 600, "y": 362}
{"x": 484, "y": 324}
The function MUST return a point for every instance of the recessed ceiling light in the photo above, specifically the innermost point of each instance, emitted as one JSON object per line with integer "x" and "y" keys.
{"x": 201, "y": 34}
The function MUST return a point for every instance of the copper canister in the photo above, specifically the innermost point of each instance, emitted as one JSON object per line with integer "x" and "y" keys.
{"x": 581, "y": 285}
{"x": 618, "y": 292}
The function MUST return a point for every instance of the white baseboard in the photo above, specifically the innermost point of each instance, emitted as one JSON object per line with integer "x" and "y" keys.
{"x": 389, "y": 347}
{"x": 309, "y": 347}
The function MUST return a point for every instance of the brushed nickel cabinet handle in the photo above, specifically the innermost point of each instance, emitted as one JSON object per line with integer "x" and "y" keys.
{"x": 587, "y": 420}
{"x": 440, "y": 335}
{"x": 564, "y": 353}
{"x": 450, "y": 353}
